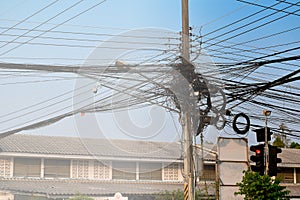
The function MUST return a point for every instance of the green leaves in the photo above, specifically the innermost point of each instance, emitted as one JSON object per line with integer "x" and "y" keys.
{"x": 295, "y": 145}
{"x": 81, "y": 197}
{"x": 256, "y": 187}
{"x": 178, "y": 195}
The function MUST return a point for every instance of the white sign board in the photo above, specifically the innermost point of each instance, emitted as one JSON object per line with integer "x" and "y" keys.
{"x": 233, "y": 160}
{"x": 117, "y": 196}
{"x": 227, "y": 193}
{"x": 233, "y": 149}
{"x": 231, "y": 173}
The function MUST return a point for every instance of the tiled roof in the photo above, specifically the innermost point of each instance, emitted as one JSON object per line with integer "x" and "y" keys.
{"x": 294, "y": 189}
{"x": 290, "y": 157}
{"x": 37, "y": 144}
{"x": 59, "y": 145}
{"x": 70, "y": 187}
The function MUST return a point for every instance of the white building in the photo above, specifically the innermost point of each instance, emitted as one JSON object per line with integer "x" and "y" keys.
{"x": 59, "y": 167}
{"x": 51, "y": 167}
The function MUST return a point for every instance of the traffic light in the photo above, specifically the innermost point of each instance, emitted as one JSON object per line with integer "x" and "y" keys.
{"x": 260, "y": 134}
{"x": 273, "y": 160}
{"x": 258, "y": 158}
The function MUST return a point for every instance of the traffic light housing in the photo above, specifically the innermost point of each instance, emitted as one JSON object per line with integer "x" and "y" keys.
{"x": 273, "y": 160}
{"x": 258, "y": 158}
{"x": 260, "y": 134}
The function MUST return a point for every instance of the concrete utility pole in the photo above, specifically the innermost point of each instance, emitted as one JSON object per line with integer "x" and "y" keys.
{"x": 189, "y": 187}
{"x": 185, "y": 31}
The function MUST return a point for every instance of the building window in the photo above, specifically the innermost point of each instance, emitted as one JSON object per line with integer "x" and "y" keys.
{"x": 124, "y": 170}
{"x": 297, "y": 175}
{"x": 101, "y": 170}
{"x": 5, "y": 167}
{"x": 209, "y": 173}
{"x": 286, "y": 175}
{"x": 80, "y": 169}
{"x": 27, "y": 167}
{"x": 57, "y": 168}
{"x": 150, "y": 171}
{"x": 171, "y": 172}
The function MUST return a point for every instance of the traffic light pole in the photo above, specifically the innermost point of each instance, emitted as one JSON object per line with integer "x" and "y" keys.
{"x": 266, "y": 144}
{"x": 189, "y": 187}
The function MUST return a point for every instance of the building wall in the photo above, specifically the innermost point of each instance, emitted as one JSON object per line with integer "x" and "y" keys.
{"x": 289, "y": 175}
{"x": 111, "y": 170}
{"x": 5, "y": 167}
{"x": 89, "y": 169}
{"x": 5, "y": 195}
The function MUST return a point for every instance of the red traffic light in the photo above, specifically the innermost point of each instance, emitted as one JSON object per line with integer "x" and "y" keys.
{"x": 259, "y": 153}
{"x": 258, "y": 149}
{"x": 258, "y": 158}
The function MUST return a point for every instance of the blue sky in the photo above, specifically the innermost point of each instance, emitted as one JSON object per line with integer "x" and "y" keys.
{"x": 128, "y": 14}
{"x": 111, "y": 17}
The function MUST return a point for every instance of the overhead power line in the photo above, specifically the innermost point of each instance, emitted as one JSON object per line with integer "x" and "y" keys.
{"x": 238, "y": 21}
{"x": 251, "y": 29}
{"x": 24, "y": 20}
{"x": 144, "y": 36}
{"x": 75, "y": 16}
{"x": 32, "y": 29}
{"x": 267, "y": 7}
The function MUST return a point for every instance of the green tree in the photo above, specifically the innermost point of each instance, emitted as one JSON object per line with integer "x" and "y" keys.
{"x": 280, "y": 139}
{"x": 278, "y": 142}
{"x": 295, "y": 145}
{"x": 37, "y": 198}
{"x": 257, "y": 187}
{"x": 178, "y": 195}
{"x": 81, "y": 197}
{"x": 166, "y": 195}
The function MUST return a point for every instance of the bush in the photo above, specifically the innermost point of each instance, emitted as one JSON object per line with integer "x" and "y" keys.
{"x": 257, "y": 187}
